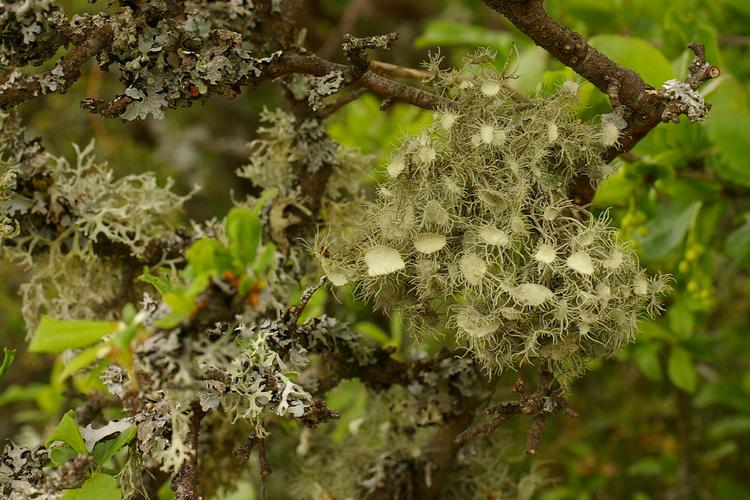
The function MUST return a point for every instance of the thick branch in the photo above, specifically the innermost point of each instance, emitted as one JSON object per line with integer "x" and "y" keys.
{"x": 574, "y": 51}
{"x": 644, "y": 105}
{"x": 292, "y": 62}
{"x": 299, "y": 61}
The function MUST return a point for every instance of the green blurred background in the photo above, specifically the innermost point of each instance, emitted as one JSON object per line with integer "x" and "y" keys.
{"x": 669, "y": 417}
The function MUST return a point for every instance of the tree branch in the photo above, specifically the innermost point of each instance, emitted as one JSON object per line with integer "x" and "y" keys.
{"x": 185, "y": 480}
{"x": 645, "y": 105}
{"x": 16, "y": 88}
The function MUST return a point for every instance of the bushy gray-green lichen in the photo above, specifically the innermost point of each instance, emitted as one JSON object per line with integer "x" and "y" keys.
{"x": 473, "y": 233}
{"x": 241, "y": 375}
{"x": 53, "y": 214}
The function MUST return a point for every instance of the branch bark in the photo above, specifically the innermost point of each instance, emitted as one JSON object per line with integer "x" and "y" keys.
{"x": 644, "y": 105}
{"x": 16, "y": 89}
{"x": 185, "y": 480}
{"x": 572, "y": 49}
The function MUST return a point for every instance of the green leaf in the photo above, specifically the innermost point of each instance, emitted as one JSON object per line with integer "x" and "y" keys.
{"x": 197, "y": 286}
{"x": 647, "y": 467}
{"x": 207, "y": 256}
{"x": 646, "y": 357}
{"x": 182, "y": 307}
{"x": 737, "y": 245}
{"x": 529, "y": 69}
{"x": 688, "y": 190}
{"x": 83, "y": 359}
{"x": 729, "y": 488}
{"x": 372, "y": 331}
{"x": 265, "y": 260}
{"x": 243, "y": 230}
{"x": 267, "y": 195}
{"x": 616, "y": 189}
{"x": 169, "y": 320}
{"x": 99, "y": 486}
{"x": 726, "y": 127}
{"x": 104, "y": 450}
{"x": 728, "y": 134}
{"x": 8, "y": 356}
{"x": 636, "y": 54}
{"x": 123, "y": 338}
{"x": 447, "y": 34}
{"x": 68, "y": 432}
{"x": 681, "y": 370}
{"x": 741, "y": 5}
{"x": 667, "y": 230}
{"x": 162, "y": 283}
{"x": 735, "y": 424}
{"x": 179, "y": 304}
{"x": 55, "y": 335}
{"x": 62, "y": 455}
{"x": 723, "y": 393}
{"x": 16, "y": 393}
{"x": 165, "y": 491}
{"x": 681, "y": 317}
{"x": 128, "y": 313}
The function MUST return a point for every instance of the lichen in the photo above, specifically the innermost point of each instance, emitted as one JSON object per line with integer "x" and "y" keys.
{"x": 476, "y": 233}
{"x": 56, "y": 214}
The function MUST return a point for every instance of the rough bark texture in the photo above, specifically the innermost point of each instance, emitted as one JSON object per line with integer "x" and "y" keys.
{"x": 185, "y": 481}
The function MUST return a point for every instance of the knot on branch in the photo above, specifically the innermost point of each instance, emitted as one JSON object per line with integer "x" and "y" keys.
{"x": 682, "y": 97}
{"x": 699, "y": 70}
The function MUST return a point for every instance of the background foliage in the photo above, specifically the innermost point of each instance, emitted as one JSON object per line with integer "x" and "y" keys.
{"x": 669, "y": 417}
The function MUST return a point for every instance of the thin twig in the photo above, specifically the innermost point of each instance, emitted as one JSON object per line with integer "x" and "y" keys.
{"x": 185, "y": 480}
{"x": 341, "y": 102}
{"x": 393, "y": 70}
{"x": 265, "y": 469}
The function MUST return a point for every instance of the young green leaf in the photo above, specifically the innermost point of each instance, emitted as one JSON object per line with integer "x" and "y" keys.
{"x": 267, "y": 195}
{"x": 8, "y": 357}
{"x": 128, "y": 313}
{"x": 161, "y": 282}
{"x": 60, "y": 456}
{"x": 98, "y": 487}
{"x": 183, "y": 306}
{"x": 637, "y": 54}
{"x": 646, "y": 357}
{"x": 68, "y": 432}
{"x": 667, "y": 230}
{"x": 84, "y": 359}
{"x": 55, "y": 335}
{"x": 265, "y": 260}
{"x": 104, "y": 450}
{"x": 207, "y": 256}
{"x": 243, "y": 229}
{"x": 447, "y": 33}
{"x": 681, "y": 370}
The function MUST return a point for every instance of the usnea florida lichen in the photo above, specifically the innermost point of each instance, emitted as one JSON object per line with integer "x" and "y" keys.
{"x": 473, "y": 233}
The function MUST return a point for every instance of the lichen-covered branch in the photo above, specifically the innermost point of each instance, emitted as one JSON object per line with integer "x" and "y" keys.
{"x": 645, "y": 105}
{"x": 16, "y": 87}
{"x": 186, "y": 479}
{"x": 177, "y": 63}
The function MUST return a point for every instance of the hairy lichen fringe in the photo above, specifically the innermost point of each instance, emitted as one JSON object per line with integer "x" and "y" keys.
{"x": 472, "y": 233}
